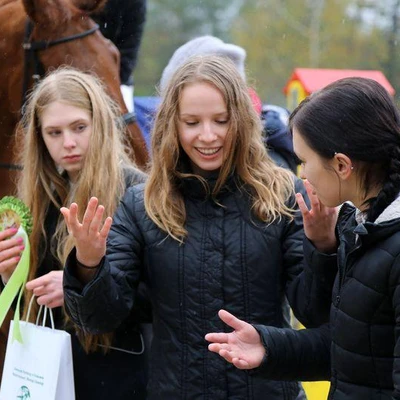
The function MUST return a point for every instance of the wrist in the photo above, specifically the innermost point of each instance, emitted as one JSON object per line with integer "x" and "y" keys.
{"x": 85, "y": 266}
{"x": 326, "y": 247}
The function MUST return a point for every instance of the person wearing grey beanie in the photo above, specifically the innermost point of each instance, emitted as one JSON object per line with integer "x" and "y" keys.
{"x": 201, "y": 46}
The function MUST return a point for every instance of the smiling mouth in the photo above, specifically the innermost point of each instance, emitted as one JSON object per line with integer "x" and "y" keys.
{"x": 208, "y": 152}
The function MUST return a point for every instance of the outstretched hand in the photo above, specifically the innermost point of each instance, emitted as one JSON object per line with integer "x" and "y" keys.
{"x": 90, "y": 235}
{"x": 242, "y": 347}
{"x": 319, "y": 221}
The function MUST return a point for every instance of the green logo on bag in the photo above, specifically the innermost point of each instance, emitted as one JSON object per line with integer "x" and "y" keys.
{"x": 24, "y": 393}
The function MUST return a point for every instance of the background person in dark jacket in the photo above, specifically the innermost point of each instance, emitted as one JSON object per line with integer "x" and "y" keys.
{"x": 348, "y": 138}
{"x": 212, "y": 227}
{"x": 277, "y": 136}
{"x": 123, "y": 21}
{"x": 73, "y": 149}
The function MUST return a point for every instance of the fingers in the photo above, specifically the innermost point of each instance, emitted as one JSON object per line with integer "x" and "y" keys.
{"x": 38, "y": 282}
{"x": 241, "y": 364}
{"x": 231, "y": 320}
{"x": 9, "y": 266}
{"x": 226, "y": 353}
{"x": 314, "y": 200}
{"x": 217, "y": 337}
{"x": 48, "y": 289}
{"x": 51, "y": 300}
{"x": 66, "y": 214}
{"x": 302, "y": 204}
{"x": 7, "y": 233}
{"x": 92, "y": 219}
{"x": 71, "y": 218}
{"x": 105, "y": 230}
{"x": 91, "y": 214}
{"x": 10, "y": 253}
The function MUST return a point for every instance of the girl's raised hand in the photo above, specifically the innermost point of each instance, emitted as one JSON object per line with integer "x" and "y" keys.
{"x": 242, "y": 347}
{"x": 90, "y": 235}
{"x": 319, "y": 221}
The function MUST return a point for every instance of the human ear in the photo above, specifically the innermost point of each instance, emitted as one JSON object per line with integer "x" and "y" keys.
{"x": 343, "y": 165}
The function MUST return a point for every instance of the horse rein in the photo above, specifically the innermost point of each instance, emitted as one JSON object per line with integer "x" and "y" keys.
{"x": 31, "y": 55}
{"x": 31, "y": 49}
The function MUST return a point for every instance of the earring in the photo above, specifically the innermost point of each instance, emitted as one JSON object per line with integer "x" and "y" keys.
{"x": 351, "y": 167}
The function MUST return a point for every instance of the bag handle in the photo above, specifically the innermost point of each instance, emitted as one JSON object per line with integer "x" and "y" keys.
{"x": 39, "y": 313}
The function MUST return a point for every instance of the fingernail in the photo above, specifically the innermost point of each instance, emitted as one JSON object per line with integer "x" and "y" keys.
{"x": 17, "y": 258}
{"x": 21, "y": 247}
{"x": 20, "y": 240}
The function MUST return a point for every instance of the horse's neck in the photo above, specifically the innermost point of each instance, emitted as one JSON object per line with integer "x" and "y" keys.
{"x": 5, "y": 2}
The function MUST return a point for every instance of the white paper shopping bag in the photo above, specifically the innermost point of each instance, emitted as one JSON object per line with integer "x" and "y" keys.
{"x": 40, "y": 368}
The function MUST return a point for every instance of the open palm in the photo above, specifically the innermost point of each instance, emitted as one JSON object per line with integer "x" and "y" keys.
{"x": 90, "y": 235}
{"x": 242, "y": 347}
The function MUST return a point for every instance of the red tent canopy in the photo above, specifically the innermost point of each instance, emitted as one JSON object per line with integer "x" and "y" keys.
{"x": 313, "y": 79}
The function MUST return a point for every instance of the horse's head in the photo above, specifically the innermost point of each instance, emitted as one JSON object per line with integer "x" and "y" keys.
{"x": 82, "y": 46}
{"x": 62, "y": 19}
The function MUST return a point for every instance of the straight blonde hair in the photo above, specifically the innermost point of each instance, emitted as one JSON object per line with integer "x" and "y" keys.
{"x": 268, "y": 185}
{"x": 42, "y": 183}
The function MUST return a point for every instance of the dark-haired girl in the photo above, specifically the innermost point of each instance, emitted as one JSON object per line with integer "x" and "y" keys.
{"x": 348, "y": 138}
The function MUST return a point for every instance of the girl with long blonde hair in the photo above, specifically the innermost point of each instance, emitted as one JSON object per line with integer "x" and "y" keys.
{"x": 214, "y": 226}
{"x": 72, "y": 149}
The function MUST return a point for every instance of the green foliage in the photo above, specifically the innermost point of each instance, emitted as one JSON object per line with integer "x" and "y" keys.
{"x": 171, "y": 23}
{"x": 278, "y": 35}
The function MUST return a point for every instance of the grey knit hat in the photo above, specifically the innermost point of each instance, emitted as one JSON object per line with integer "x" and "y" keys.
{"x": 199, "y": 46}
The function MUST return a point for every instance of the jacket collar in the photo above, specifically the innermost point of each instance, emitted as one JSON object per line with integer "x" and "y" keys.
{"x": 390, "y": 212}
{"x": 385, "y": 225}
{"x": 194, "y": 187}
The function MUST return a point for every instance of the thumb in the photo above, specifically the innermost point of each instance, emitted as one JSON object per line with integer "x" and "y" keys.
{"x": 229, "y": 319}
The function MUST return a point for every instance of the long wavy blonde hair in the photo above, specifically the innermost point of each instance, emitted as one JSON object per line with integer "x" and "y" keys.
{"x": 42, "y": 183}
{"x": 268, "y": 185}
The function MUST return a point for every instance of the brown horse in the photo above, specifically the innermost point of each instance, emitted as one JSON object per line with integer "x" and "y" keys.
{"x": 64, "y": 34}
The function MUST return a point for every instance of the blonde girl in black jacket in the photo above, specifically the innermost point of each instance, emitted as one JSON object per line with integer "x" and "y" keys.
{"x": 214, "y": 226}
{"x": 72, "y": 148}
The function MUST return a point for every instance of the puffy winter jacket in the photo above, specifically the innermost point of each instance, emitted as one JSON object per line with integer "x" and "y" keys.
{"x": 229, "y": 260}
{"x": 365, "y": 315}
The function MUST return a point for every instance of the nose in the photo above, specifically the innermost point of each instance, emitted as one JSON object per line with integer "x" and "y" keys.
{"x": 69, "y": 141}
{"x": 207, "y": 133}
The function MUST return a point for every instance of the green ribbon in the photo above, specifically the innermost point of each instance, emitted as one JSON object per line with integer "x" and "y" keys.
{"x": 15, "y": 286}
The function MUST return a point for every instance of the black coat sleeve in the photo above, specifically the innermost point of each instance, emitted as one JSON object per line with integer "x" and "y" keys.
{"x": 309, "y": 275}
{"x": 295, "y": 355}
{"x": 106, "y": 301}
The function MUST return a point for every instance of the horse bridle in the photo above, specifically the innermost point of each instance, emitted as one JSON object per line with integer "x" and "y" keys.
{"x": 31, "y": 57}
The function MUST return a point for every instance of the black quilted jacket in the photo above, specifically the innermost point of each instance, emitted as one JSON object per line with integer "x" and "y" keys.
{"x": 229, "y": 260}
{"x": 365, "y": 316}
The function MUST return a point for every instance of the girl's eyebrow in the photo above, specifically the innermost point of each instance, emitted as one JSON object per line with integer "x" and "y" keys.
{"x": 223, "y": 113}
{"x": 72, "y": 123}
